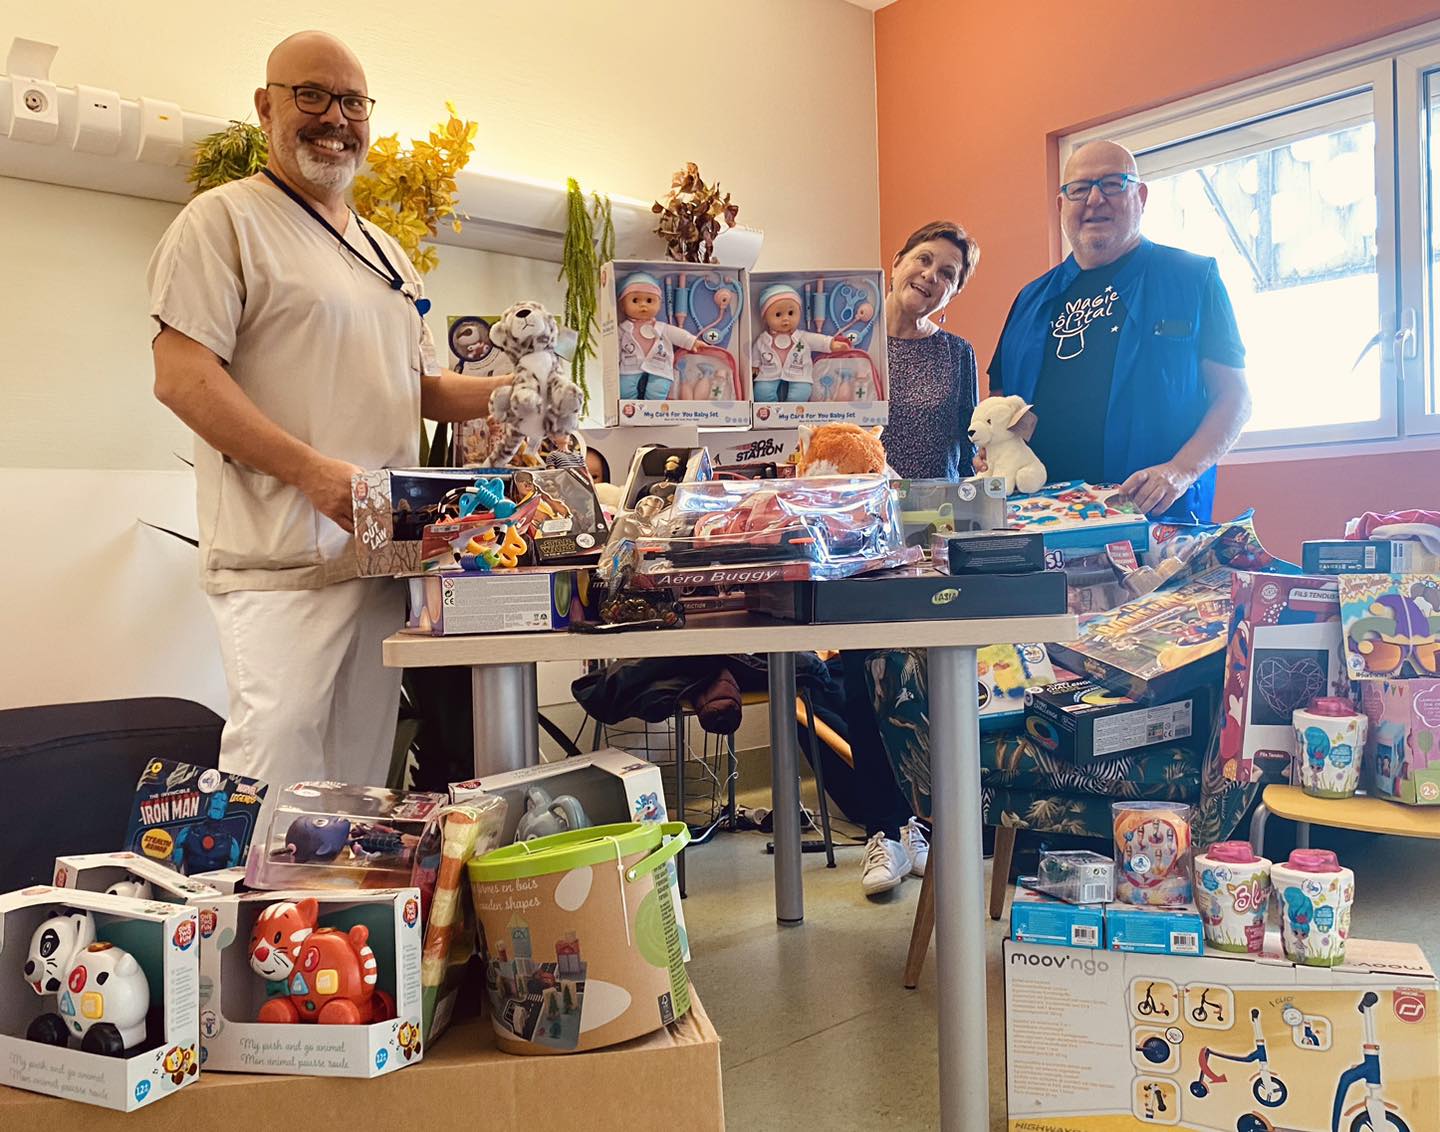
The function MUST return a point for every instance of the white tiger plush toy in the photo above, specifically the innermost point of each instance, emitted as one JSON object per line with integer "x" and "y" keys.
{"x": 542, "y": 401}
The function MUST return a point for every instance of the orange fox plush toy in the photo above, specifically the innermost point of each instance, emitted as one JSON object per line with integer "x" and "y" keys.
{"x": 840, "y": 449}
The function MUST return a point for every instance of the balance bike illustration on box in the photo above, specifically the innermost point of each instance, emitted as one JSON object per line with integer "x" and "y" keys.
{"x": 1269, "y": 1090}
{"x": 1205, "y": 1009}
{"x": 1148, "y": 1006}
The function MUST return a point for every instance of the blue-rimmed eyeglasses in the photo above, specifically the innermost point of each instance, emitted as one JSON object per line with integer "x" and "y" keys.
{"x": 317, "y": 100}
{"x": 1110, "y": 185}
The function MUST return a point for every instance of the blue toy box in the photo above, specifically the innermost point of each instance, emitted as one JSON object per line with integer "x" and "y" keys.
{"x": 1037, "y": 918}
{"x": 1154, "y": 931}
{"x": 193, "y": 819}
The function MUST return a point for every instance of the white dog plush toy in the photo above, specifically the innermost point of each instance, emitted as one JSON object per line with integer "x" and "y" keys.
{"x": 542, "y": 400}
{"x": 992, "y": 428}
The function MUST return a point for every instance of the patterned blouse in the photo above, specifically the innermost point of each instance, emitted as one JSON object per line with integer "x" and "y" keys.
{"x": 932, "y": 394}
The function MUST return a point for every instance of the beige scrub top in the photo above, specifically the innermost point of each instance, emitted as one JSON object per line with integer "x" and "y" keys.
{"x": 326, "y": 349}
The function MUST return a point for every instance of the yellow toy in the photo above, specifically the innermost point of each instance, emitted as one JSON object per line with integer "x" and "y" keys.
{"x": 511, "y": 549}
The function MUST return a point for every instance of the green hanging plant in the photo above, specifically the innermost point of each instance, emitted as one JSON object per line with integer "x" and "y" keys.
{"x": 589, "y": 242}
{"x": 239, "y": 150}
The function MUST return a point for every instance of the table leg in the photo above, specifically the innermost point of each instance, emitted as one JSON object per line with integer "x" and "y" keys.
{"x": 785, "y": 789}
{"x": 505, "y": 710}
{"x": 956, "y": 857}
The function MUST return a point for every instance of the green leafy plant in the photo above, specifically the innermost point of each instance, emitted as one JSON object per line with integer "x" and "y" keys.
{"x": 589, "y": 242}
{"x": 408, "y": 192}
{"x": 239, "y": 150}
{"x": 691, "y": 214}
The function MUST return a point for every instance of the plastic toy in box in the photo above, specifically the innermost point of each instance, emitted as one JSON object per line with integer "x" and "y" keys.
{"x": 1402, "y": 743}
{"x": 930, "y": 507}
{"x": 819, "y": 351}
{"x": 656, "y": 470}
{"x": 192, "y": 818}
{"x": 1077, "y": 516}
{"x": 333, "y": 835}
{"x": 675, "y": 343}
{"x": 1157, "y": 647}
{"x": 99, "y": 1002}
{"x": 1392, "y": 625}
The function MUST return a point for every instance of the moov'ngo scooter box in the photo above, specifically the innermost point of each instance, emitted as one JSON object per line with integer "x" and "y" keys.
{"x": 1097, "y": 1042}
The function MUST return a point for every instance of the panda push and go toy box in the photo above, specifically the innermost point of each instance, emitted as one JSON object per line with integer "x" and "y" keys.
{"x": 101, "y": 1005}
{"x": 319, "y": 983}
{"x": 129, "y": 874}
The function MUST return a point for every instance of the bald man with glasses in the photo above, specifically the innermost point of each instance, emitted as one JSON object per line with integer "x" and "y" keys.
{"x": 1128, "y": 350}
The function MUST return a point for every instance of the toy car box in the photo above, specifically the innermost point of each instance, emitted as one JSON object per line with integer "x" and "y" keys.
{"x": 596, "y": 789}
{"x": 1220, "y": 1042}
{"x": 193, "y": 818}
{"x": 931, "y": 507}
{"x": 334, "y": 835}
{"x": 674, "y": 344}
{"x": 534, "y": 598}
{"x": 556, "y": 513}
{"x": 1080, "y": 518}
{"x": 1039, "y": 918}
{"x": 1081, "y": 722}
{"x": 818, "y": 351}
{"x": 369, "y": 965}
{"x": 1367, "y": 556}
{"x": 133, "y": 875}
{"x": 1402, "y": 742}
{"x": 97, "y": 990}
{"x": 1392, "y": 625}
{"x": 1155, "y": 931}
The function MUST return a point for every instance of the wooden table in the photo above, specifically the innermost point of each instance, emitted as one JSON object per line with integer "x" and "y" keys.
{"x": 1362, "y": 812}
{"x": 506, "y": 736}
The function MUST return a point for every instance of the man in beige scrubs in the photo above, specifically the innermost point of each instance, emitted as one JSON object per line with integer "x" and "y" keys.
{"x": 290, "y": 337}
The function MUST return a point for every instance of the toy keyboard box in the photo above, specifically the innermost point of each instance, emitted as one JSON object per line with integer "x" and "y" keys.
{"x": 1367, "y": 556}
{"x": 911, "y": 594}
{"x": 507, "y": 601}
{"x": 409, "y": 520}
{"x": 1158, "y": 647}
{"x": 1038, "y": 918}
{"x": 129, "y": 874}
{"x": 193, "y": 818}
{"x": 674, "y": 344}
{"x": 319, "y": 983}
{"x": 932, "y": 507}
{"x": 108, "y": 988}
{"x": 1081, "y": 722}
{"x": 1284, "y": 651}
{"x": 1402, "y": 742}
{"x": 1109, "y": 1041}
{"x": 1392, "y": 625}
{"x": 1080, "y": 518}
{"x": 596, "y": 789}
{"x": 819, "y": 353}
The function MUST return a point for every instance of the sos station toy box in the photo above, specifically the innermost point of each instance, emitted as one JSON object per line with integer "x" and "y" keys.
{"x": 1105, "y": 1042}
{"x": 377, "y": 932}
{"x": 99, "y": 991}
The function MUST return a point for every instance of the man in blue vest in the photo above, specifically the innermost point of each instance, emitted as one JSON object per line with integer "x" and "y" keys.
{"x": 1128, "y": 350}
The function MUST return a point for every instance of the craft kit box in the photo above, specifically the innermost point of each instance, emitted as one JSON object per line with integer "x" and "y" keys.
{"x": 606, "y": 786}
{"x": 1402, "y": 742}
{"x": 1078, "y": 517}
{"x": 819, "y": 353}
{"x": 97, "y": 992}
{"x": 133, "y": 876}
{"x": 1392, "y": 625}
{"x": 192, "y": 818}
{"x": 376, "y": 935}
{"x": 443, "y": 605}
{"x": 1284, "y": 650}
{"x": 1081, "y": 722}
{"x": 674, "y": 344}
{"x": 1105, "y": 1042}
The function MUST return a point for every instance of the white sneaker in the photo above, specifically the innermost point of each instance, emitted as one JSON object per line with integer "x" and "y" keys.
{"x": 912, "y": 836}
{"x": 886, "y": 864}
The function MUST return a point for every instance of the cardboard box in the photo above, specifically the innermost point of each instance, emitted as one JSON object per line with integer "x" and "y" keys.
{"x": 1037, "y": 918}
{"x": 193, "y": 818}
{"x": 443, "y": 605}
{"x": 930, "y": 507}
{"x": 796, "y": 375}
{"x": 1285, "y": 651}
{"x": 1080, "y": 518}
{"x": 702, "y": 325}
{"x": 162, "y": 938}
{"x": 918, "y": 594}
{"x": 610, "y": 786}
{"x": 1094, "y": 1041}
{"x": 96, "y": 872}
{"x": 1081, "y": 722}
{"x": 1154, "y": 931}
{"x": 232, "y": 994}
{"x": 678, "y": 1069}
{"x": 1367, "y": 556}
{"x": 987, "y": 552}
{"x": 1005, "y": 672}
{"x": 1392, "y": 625}
{"x": 224, "y": 881}
{"x": 1402, "y": 741}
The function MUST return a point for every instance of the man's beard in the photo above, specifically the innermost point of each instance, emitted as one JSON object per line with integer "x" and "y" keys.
{"x": 331, "y": 176}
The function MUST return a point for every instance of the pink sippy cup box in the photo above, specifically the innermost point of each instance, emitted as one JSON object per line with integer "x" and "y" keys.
{"x": 674, "y": 344}
{"x": 819, "y": 351}
{"x": 319, "y": 983}
{"x": 105, "y": 1012}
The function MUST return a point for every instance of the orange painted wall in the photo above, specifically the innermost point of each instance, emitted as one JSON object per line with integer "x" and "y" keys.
{"x": 970, "y": 99}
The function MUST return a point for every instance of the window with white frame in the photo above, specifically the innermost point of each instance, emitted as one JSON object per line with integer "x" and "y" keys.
{"x": 1317, "y": 190}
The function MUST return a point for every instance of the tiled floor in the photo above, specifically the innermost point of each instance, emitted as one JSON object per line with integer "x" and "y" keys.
{"x": 816, "y": 1028}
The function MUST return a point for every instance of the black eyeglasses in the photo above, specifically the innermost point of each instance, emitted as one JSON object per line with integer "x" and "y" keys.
{"x": 317, "y": 100}
{"x": 1110, "y": 185}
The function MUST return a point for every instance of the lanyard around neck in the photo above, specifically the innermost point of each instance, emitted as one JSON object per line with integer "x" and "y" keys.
{"x": 389, "y": 275}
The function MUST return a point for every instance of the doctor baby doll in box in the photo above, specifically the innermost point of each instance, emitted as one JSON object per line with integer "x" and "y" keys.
{"x": 784, "y": 362}
{"x": 647, "y": 345}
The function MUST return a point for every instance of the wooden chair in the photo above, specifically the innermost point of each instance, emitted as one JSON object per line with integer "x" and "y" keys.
{"x": 924, "y": 928}
{"x": 1363, "y": 813}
